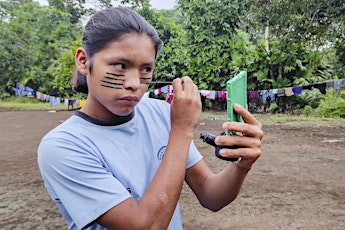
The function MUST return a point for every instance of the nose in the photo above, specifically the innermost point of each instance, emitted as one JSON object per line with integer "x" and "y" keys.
{"x": 132, "y": 81}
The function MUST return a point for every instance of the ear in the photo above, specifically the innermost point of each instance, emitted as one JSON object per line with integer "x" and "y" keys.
{"x": 81, "y": 61}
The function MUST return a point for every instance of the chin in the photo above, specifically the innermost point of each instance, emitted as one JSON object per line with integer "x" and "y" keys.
{"x": 123, "y": 113}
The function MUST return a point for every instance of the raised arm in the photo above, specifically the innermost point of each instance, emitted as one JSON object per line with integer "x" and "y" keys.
{"x": 155, "y": 209}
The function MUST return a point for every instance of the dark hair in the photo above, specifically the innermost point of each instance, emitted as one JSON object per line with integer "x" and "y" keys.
{"x": 110, "y": 25}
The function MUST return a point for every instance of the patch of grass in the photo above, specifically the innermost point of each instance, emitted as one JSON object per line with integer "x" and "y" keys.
{"x": 298, "y": 120}
{"x": 265, "y": 119}
{"x": 219, "y": 115}
{"x": 13, "y": 105}
{"x": 275, "y": 119}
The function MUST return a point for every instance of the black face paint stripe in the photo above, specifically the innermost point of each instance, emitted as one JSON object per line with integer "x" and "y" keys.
{"x": 144, "y": 79}
{"x": 109, "y": 86}
{"x": 112, "y": 83}
{"x": 115, "y": 79}
{"x": 114, "y": 74}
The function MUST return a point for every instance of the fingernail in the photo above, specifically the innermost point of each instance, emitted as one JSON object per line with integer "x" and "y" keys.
{"x": 225, "y": 126}
{"x": 216, "y": 140}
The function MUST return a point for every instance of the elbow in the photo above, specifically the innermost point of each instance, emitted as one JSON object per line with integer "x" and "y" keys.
{"x": 213, "y": 207}
{"x": 216, "y": 205}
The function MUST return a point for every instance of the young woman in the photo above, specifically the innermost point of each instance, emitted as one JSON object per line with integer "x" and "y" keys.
{"x": 120, "y": 161}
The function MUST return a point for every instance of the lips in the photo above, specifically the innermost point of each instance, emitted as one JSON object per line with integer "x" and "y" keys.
{"x": 130, "y": 98}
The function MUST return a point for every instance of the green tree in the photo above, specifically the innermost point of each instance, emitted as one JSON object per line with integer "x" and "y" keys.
{"x": 74, "y": 8}
{"x": 210, "y": 26}
{"x": 32, "y": 37}
{"x": 298, "y": 36}
{"x": 62, "y": 70}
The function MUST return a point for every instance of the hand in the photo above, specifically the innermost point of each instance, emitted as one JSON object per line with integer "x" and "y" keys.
{"x": 249, "y": 136}
{"x": 186, "y": 105}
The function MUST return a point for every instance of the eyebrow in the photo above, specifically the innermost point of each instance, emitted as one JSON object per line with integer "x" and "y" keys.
{"x": 125, "y": 60}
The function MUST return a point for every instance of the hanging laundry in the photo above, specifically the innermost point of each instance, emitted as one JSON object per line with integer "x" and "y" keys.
{"x": 330, "y": 84}
{"x": 205, "y": 93}
{"x": 82, "y": 103}
{"x": 170, "y": 88}
{"x": 66, "y": 102}
{"x": 164, "y": 89}
{"x": 272, "y": 94}
{"x": 321, "y": 87}
{"x": 297, "y": 90}
{"x": 307, "y": 87}
{"x": 212, "y": 95}
{"x": 288, "y": 91}
{"x": 281, "y": 92}
{"x": 169, "y": 97}
{"x": 338, "y": 84}
{"x": 253, "y": 95}
{"x": 264, "y": 96}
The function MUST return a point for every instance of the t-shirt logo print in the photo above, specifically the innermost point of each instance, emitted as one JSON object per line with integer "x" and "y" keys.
{"x": 161, "y": 153}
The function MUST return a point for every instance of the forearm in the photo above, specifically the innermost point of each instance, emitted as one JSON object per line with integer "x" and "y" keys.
{"x": 221, "y": 189}
{"x": 164, "y": 191}
{"x": 155, "y": 208}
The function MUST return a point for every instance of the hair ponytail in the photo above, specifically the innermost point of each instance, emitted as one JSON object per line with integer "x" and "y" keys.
{"x": 79, "y": 82}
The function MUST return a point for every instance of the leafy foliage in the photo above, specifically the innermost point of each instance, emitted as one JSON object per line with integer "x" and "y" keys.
{"x": 333, "y": 104}
{"x": 280, "y": 43}
{"x": 210, "y": 27}
{"x": 28, "y": 44}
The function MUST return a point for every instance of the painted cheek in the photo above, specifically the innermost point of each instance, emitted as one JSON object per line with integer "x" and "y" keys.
{"x": 112, "y": 80}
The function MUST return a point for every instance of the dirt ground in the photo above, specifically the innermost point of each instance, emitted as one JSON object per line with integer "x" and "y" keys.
{"x": 298, "y": 183}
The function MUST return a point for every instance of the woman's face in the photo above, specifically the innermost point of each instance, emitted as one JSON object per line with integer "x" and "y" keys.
{"x": 120, "y": 75}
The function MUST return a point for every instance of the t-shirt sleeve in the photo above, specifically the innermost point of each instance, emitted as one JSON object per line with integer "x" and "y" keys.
{"x": 74, "y": 175}
{"x": 194, "y": 155}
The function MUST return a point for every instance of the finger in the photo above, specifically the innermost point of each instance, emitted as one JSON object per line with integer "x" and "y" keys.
{"x": 235, "y": 140}
{"x": 196, "y": 93}
{"x": 249, "y": 154}
{"x": 246, "y": 115}
{"x": 190, "y": 90}
{"x": 187, "y": 83}
{"x": 177, "y": 85}
{"x": 245, "y": 129}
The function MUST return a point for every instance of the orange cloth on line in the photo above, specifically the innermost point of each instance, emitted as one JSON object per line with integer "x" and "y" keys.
{"x": 82, "y": 103}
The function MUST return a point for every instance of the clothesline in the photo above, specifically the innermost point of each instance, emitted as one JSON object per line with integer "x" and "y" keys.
{"x": 264, "y": 94}
{"x": 22, "y": 90}
{"x": 271, "y": 94}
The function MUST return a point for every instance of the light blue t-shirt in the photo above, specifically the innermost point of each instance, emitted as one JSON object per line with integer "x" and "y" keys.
{"x": 89, "y": 168}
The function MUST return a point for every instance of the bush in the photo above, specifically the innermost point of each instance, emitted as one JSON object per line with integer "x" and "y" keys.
{"x": 5, "y": 96}
{"x": 311, "y": 97}
{"x": 307, "y": 110}
{"x": 332, "y": 105}
{"x": 273, "y": 108}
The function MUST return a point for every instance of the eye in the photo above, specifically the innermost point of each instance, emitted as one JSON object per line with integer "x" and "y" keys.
{"x": 147, "y": 70}
{"x": 120, "y": 66}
